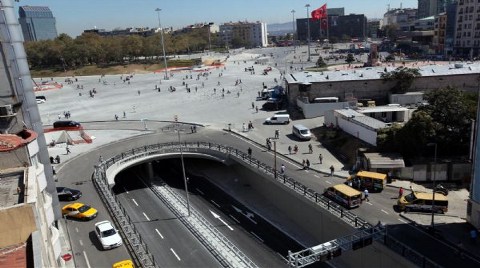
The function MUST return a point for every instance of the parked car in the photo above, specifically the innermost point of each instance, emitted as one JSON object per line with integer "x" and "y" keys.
{"x": 107, "y": 235}
{"x": 79, "y": 211}
{"x": 68, "y": 123}
{"x": 68, "y": 194}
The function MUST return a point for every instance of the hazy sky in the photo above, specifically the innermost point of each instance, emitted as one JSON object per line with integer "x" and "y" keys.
{"x": 74, "y": 16}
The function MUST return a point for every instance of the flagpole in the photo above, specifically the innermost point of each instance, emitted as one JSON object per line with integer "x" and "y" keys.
{"x": 308, "y": 30}
{"x": 328, "y": 26}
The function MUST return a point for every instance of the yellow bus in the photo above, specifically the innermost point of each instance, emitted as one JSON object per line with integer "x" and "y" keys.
{"x": 373, "y": 181}
{"x": 421, "y": 201}
{"x": 344, "y": 195}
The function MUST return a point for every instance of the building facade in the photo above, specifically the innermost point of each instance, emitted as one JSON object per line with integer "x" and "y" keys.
{"x": 29, "y": 206}
{"x": 439, "y": 35}
{"x": 37, "y": 22}
{"x": 427, "y": 8}
{"x": 401, "y": 18}
{"x": 467, "y": 29}
{"x": 247, "y": 34}
{"x": 352, "y": 26}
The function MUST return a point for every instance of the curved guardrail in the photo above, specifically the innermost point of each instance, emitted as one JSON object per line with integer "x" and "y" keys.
{"x": 345, "y": 215}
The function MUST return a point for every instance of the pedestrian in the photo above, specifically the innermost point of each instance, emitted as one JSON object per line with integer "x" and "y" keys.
{"x": 332, "y": 169}
{"x": 53, "y": 171}
{"x": 124, "y": 114}
{"x": 295, "y": 149}
{"x": 310, "y": 148}
{"x": 400, "y": 192}
{"x": 116, "y": 117}
{"x": 282, "y": 169}
{"x": 320, "y": 158}
{"x": 304, "y": 165}
{"x": 253, "y": 105}
{"x": 256, "y": 108}
{"x": 365, "y": 194}
{"x": 289, "y": 149}
{"x": 57, "y": 159}
{"x": 68, "y": 150}
{"x": 308, "y": 164}
{"x": 277, "y": 133}
{"x": 249, "y": 152}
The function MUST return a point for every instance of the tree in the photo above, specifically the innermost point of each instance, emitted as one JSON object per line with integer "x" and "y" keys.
{"x": 446, "y": 120}
{"x": 350, "y": 58}
{"x": 320, "y": 62}
{"x": 403, "y": 78}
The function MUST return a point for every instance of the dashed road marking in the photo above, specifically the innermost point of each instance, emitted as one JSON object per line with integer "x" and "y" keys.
{"x": 198, "y": 190}
{"x": 234, "y": 218}
{"x": 316, "y": 176}
{"x": 146, "y": 216}
{"x": 133, "y": 200}
{"x": 215, "y": 203}
{"x": 158, "y": 232}
{"x": 328, "y": 182}
{"x": 80, "y": 242}
{"x": 76, "y": 229}
{"x": 258, "y": 237}
{"x": 402, "y": 220}
{"x": 174, "y": 253}
{"x": 385, "y": 212}
{"x": 86, "y": 259}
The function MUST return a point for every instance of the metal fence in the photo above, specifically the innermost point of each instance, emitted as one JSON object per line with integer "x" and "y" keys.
{"x": 345, "y": 215}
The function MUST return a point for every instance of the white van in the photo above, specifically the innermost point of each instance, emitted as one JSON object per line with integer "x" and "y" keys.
{"x": 301, "y": 132}
{"x": 278, "y": 119}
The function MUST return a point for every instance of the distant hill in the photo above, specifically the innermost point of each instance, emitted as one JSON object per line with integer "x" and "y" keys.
{"x": 279, "y": 28}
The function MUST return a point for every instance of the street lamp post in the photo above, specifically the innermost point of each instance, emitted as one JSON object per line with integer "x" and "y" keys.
{"x": 434, "y": 181}
{"x": 275, "y": 159}
{"x": 183, "y": 170}
{"x": 308, "y": 30}
{"x": 293, "y": 25}
{"x": 163, "y": 43}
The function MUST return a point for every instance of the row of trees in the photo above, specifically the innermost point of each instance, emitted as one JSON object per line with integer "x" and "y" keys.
{"x": 90, "y": 48}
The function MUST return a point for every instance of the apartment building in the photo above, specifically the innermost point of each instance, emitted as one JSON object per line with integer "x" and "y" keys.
{"x": 467, "y": 29}
{"x": 247, "y": 34}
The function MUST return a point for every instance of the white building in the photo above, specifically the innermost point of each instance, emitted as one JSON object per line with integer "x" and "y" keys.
{"x": 247, "y": 34}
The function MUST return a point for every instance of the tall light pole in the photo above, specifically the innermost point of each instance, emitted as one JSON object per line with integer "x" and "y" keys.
{"x": 275, "y": 159}
{"x": 293, "y": 25}
{"x": 434, "y": 181}
{"x": 183, "y": 170}
{"x": 163, "y": 43}
{"x": 209, "y": 39}
{"x": 308, "y": 30}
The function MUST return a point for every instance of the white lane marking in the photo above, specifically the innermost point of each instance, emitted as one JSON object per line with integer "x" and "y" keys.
{"x": 368, "y": 202}
{"x": 86, "y": 259}
{"x": 146, "y": 216}
{"x": 198, "y": 190}
{"x": 158, "y": 232}
{"x": 385, "y": 212}
{"x": 215, "y": 203}
{"x": 216, "y": 216}
{"x": 258, "y": 237}
{"x": 174, "y": 253}
{"x": 81, "y": 242}
{"x": 402, "y": 220}
{"x": 126, "y": 191}
{"x": 76, "y": 229}
{"x": 328, "y": 182}
{"x": 133, "y": 200}
{"x": 316, "y": 176}
{"x": 234, "y": 218}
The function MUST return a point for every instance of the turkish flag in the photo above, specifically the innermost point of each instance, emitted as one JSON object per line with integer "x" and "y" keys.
{"x": 319, "y": 13}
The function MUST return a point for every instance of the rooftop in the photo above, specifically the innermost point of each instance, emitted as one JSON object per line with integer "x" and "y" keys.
{"x": 10, "y": 180}
{"x": 370, "y": 73}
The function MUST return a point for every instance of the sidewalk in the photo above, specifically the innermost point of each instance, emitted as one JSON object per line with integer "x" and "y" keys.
{"x": 451, "y": 228}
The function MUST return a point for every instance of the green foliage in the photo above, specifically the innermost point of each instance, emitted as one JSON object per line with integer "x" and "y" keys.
{"x": 446, "y": 120}
{"x": 350, "y": 58}
{"x": 320, "y": 62}
{"x": 403, "y": 77}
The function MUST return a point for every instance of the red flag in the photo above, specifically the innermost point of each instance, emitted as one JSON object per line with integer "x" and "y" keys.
{"x": 319, "y": 13}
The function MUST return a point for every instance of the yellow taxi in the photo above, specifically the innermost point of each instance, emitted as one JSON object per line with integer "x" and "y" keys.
{"x": 123, "y": 264}
{"x": 79, "y": 211}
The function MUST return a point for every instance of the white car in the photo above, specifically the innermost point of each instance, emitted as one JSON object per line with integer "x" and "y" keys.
{"x": 107, "y": 235}
{"x": 40, "y": 101}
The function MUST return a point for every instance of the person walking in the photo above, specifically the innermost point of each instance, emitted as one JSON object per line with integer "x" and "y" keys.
{"x": 308, "y": 164}
{"x": 332, "y": 169}
{"x": 295, "y": 149}
{"x": 320, "y": 158}
{"x": 68, "y": 150}
{"x": 277, "y": 133}
{"x": 304, "y": 165}
{"x": 282, "y": 169}
{"x": 253, "y": 105}
{"x": 400, "y": 192}
{"x": 289, "y": 149}
{"x": 310, "y": 148}
{"x": 256, "y": 108}
{"x": 365, "y": 195}
{"x": 249, "y": 152}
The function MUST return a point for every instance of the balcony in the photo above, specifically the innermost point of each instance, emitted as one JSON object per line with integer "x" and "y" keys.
{"x": 10, "y": 142}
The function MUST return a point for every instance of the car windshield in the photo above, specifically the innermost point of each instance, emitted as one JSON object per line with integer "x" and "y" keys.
{"x": 83, "y": 208}
{"x": 304, "y": 131}
{"x": 108, "y": 232}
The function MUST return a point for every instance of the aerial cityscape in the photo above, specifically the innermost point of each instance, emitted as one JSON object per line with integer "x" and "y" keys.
{"x": 239, "y": 134}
